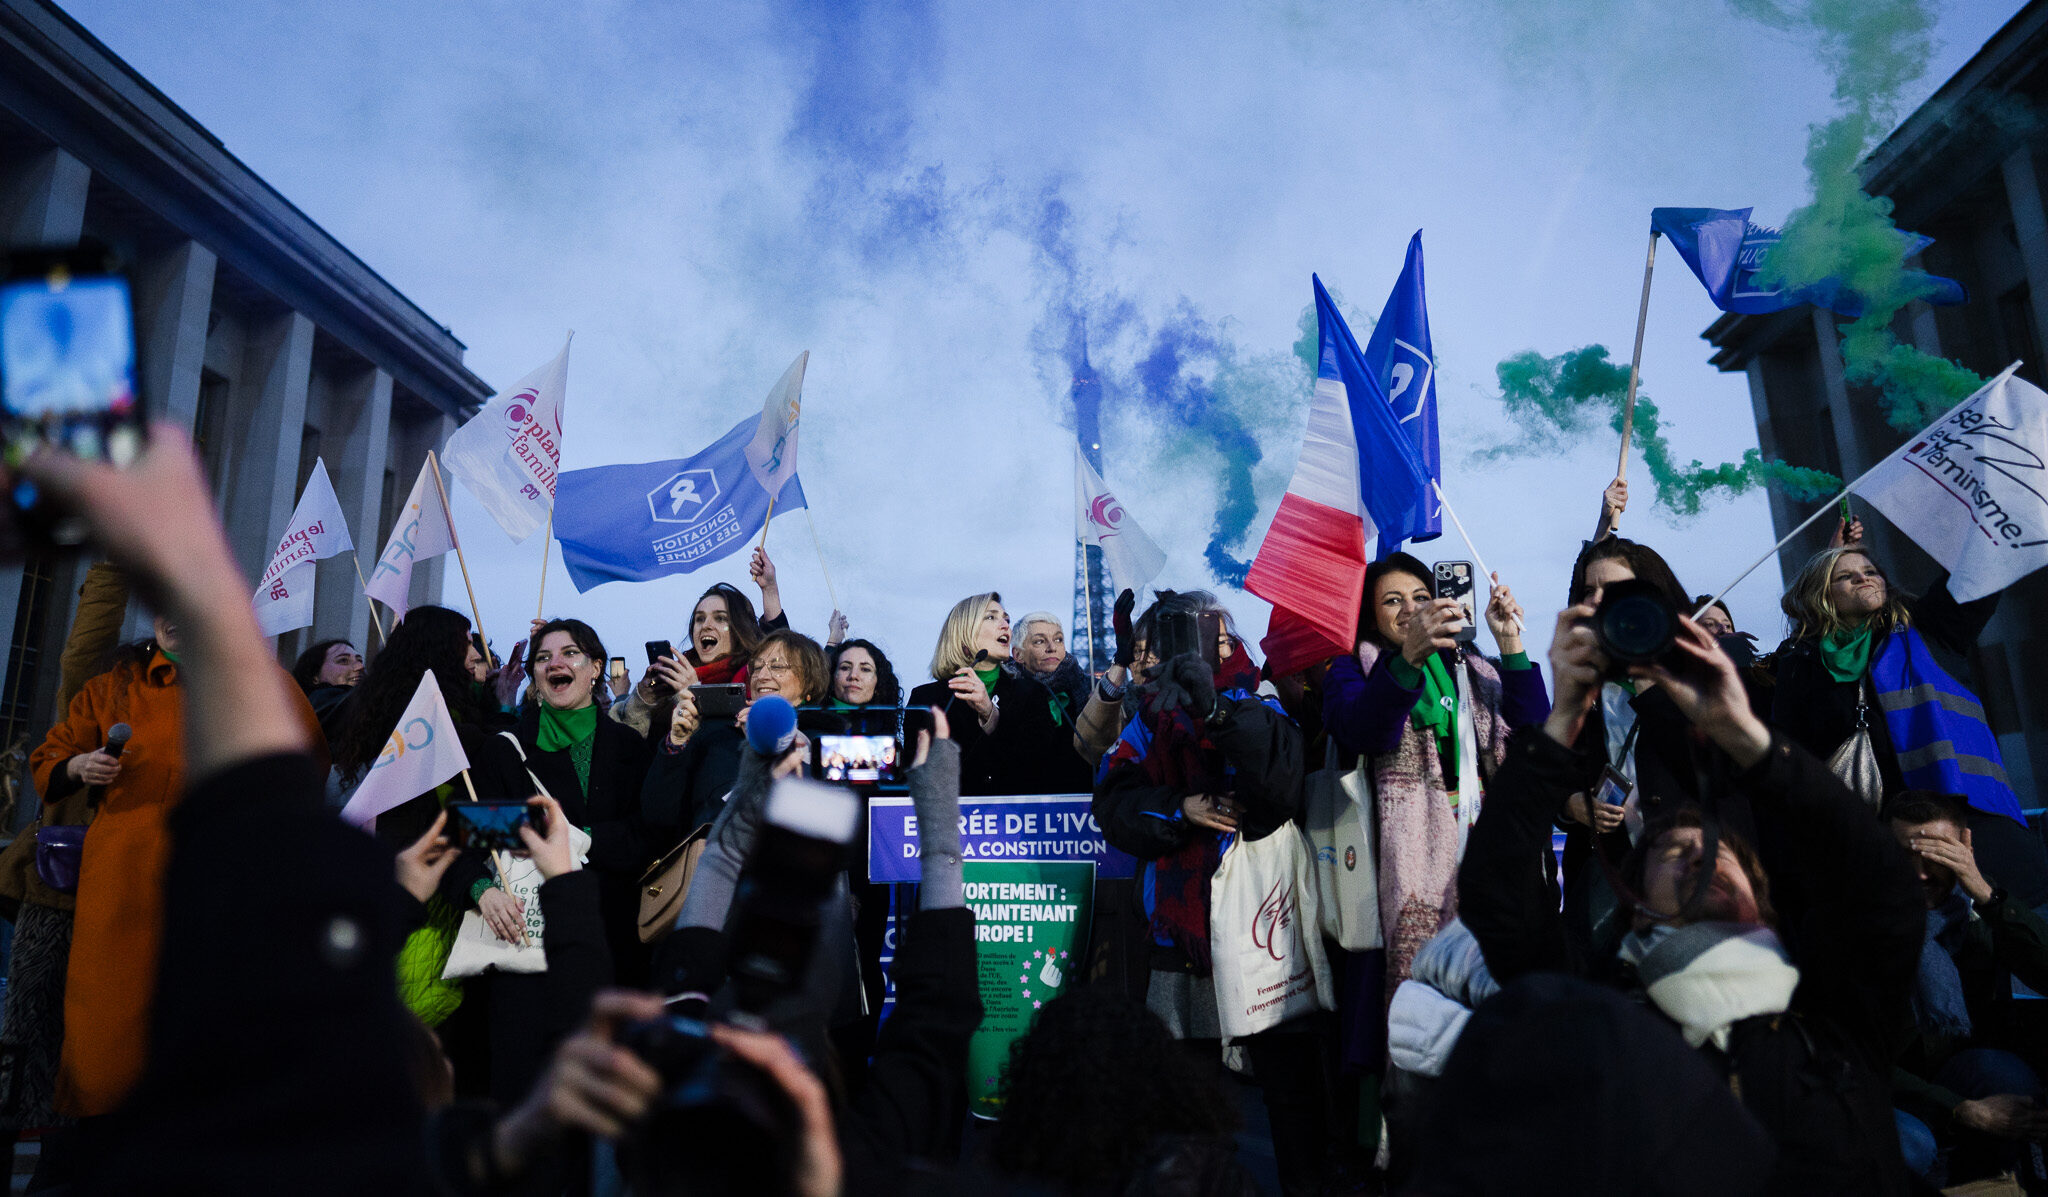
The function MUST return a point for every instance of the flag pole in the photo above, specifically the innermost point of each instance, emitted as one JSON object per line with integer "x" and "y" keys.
{"x": 764, "y": 523}
{"x": 1635, "y": 365}
{"x": 434, "y": 467}
{"x": 376, "y": 621}
{"x": 816, "y": 544}
{"x": 1467, "y": 538}
{"x": 541, "y": 607}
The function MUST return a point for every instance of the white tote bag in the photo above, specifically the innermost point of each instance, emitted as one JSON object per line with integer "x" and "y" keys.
{"x": 1264, "y": 935}
{"x": 477, "y": 947}
{"x": 1343, "y": 830}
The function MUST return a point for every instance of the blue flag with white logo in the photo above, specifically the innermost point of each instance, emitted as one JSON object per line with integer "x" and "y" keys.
{"x": 1724, "y": 250}
{"x": 1393, "y": 486}
{"x": 629, "y": 523}
{"x": 1400, "y": 356}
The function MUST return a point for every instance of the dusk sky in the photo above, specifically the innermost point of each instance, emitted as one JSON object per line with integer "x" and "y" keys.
{"x": 927, "y": 197}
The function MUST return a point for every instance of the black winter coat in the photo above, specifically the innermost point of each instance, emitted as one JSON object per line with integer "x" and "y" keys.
{"x": 1816, "y": 1077}
{"x": 1027, "y": 753}
{"x": 685, "y": 788}
{"x": 1262, "y": 750}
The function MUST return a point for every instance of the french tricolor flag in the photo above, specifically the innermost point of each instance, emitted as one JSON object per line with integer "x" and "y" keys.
{"x": 1358, "y": 472}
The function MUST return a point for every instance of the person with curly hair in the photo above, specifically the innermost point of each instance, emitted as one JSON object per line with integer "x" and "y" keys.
{"x": 1099, "y": 1098}
{"x": 861, "y": 676}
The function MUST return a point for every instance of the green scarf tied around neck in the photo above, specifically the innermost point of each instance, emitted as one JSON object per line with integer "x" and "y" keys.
{"x": 1437, "y": 710}
{"x": 1847, "y": 653}
{"x": 573, "y": 730}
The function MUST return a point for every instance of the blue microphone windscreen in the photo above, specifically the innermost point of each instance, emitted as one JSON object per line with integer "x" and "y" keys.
{"x": 771, "y": 725}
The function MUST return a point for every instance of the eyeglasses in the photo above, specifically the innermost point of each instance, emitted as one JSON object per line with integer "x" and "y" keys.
{"x": 774, "y": 665}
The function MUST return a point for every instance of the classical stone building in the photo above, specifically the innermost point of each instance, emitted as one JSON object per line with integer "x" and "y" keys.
{"x": 255, "y": 329}
{"x": 1968, "y": 169}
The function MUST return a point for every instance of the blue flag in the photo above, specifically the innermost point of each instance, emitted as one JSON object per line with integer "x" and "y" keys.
{"x": 1724, "y": 250}
{"x": 1402, "y": 359}
{"x": 1393, "y": 485}
{"x": 629, "y": 523}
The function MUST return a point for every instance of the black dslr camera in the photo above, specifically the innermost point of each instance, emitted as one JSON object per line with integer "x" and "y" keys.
{"x": 722, "y": 1125}
{"x": 1635, "y": 624}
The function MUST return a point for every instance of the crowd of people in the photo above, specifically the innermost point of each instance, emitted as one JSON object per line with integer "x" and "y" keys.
{"x": 1792, "y": 942}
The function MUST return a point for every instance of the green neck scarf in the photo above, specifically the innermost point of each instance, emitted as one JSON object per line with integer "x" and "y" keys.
{"x": 168, "y": 655}
{"x": 840, "y": 704}
{"x": 573, "y": 730}
{"x": 988, "y": 676}
{"x": 1437, "y": 710}
{"x": 1847, "y": 654}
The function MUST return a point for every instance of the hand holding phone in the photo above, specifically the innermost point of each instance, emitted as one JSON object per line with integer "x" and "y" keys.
{"x": 494, "y": 826}
{"x": 1454, "y": 580}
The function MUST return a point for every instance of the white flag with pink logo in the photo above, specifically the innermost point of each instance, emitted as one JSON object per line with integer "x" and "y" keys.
{"x": 422, "y": 752}
{"x": 284, "y": 597}
{"x": 1099, "y": 519}
{"x": 509, "y": 453}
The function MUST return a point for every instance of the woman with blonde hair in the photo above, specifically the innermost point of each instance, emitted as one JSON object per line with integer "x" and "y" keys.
{"x": 1859, "y": 655}
{"x": 1011, "y": 741}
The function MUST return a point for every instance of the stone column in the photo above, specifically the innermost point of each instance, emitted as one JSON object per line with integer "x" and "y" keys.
{"x": 2030, "y": 229}
{"x": 357, "y": 442}
{"x": 173, "y": 302}
{"x": 45, "y": 203}
{"x": 267, "y": 420}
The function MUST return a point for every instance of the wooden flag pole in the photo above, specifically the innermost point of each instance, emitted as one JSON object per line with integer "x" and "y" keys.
{"x": 376, "y": 620}
{"x": 434, "y": 466}
{"x": 1635, "y": 365}
{"x": 541, "y": 607}
{"x": 764, "y": 523}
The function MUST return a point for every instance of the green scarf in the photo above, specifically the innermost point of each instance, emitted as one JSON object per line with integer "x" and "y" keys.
{"x": 988, "y": 677}
{"x": 574, "y": 730}
{"x": 840, "y": 704}
{"x": 1847, "y": 654}
{"x": 168, "y": 655}
{"x": 1437, "y": 710}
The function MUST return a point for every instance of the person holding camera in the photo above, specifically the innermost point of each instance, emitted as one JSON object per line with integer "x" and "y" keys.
{"x": 1011, "y": 739}
{"x": 694, "y": 766}
{"x": 1203, "y": 759}
{"x": 1863, "y": 654}
{"x": 1801, "y": 1027}
{"x": 1432, "y": 718}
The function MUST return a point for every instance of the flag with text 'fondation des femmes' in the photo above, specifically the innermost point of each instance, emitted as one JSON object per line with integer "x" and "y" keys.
{"x": 1358, "y": 472}
{"x": 510, "y": 452}
{"x": 422, "y": 752}
{"x": 629, "y": 523}
{"x": 284, "y": 595}
{"x": 1725, "y": 249}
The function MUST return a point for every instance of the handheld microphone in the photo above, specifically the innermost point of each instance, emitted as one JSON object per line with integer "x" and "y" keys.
{"x": 117, "y": 739}
{"x": 771, "y": 725}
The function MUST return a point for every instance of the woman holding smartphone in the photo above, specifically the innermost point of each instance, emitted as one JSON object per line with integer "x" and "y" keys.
{"x": 1011, "y": 734}
{"x": 723, "y": 632}
{"x": 1432, "y": 719}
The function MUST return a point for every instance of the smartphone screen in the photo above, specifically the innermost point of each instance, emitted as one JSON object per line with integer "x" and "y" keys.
{"x": 67, "y": 370}
{"x": 859, "y": 760}
{"x": 492, "y": 826}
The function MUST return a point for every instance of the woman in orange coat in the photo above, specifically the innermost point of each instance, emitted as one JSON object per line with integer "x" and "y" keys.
{"x": 119, "y": 917}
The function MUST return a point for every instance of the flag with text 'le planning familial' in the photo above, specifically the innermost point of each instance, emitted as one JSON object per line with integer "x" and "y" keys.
{"x": 423, "y": 532}
{"x": 1358, "y": 473}
{"x": 1099, "y": 519}
{"x": 1403, "y": 360}
{"x": 630, "y": 523}
{"x": 422, "y": 752}
{"x": 284, "y": 596}
{"x": 509, "y": 453}
{"x": 1725, "y": 249}
{"x": 1972, "y": 488}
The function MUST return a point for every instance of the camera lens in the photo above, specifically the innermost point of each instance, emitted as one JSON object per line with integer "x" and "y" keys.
{"x": 1635, "y": 624}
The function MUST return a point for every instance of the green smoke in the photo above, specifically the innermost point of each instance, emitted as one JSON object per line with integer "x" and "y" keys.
{"x": 1553, "y": 402}
{"x": 1874, "y": 48}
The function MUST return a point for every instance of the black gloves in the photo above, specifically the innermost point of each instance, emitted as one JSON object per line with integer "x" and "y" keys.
{"x": 1184, "y": 684}
{"x": 1120, "y": 619}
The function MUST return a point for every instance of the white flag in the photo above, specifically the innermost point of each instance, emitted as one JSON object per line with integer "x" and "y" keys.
{"x": 423, "y": 752}
{"x": 509, "y": 453}
{"x": 421, "y": 533}
{"x": 772, "y": 453}
{"x": 1972, "y": 489}
{"x": 1132, "y": 558}
{"x": 284, "y": 598}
